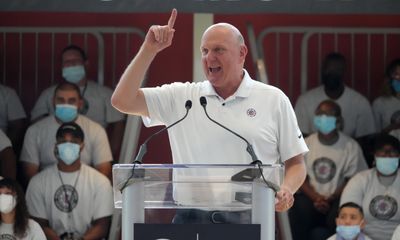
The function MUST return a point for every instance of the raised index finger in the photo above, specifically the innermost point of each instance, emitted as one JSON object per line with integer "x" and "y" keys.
{"x": 172, "y": 18}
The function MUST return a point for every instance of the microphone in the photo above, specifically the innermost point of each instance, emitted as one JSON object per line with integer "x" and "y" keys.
{"x": 143, "y": 148}
{"x": 249, "y": 148}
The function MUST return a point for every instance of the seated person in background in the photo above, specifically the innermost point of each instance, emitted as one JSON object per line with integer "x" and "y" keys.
{"x": 377, "y": 190}
{"x": 333, "y": 158}
{"x": 70, "y": 200}
{"x": 387, "y": 107}
{"x": 12, "y": 117}
{"x": 96, "y": 98}
{"x": 350, "y": 222}
{"x": 38, "y": 149}
{"x": 8, "y": 162}
{"x": 356, "y": 110}
{"x": 14, "y": 221}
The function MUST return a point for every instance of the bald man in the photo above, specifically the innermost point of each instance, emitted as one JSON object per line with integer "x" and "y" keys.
{"x": 260, "y": 113}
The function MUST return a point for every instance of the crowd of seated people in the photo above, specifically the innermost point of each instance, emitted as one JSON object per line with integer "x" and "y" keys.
{"x": 75, "y": 134}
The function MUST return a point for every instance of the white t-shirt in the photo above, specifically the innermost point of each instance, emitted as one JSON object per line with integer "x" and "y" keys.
{"x": 34, "y": 231}
{"x": 10, "y": 107}
{"x": 4, "y": 141}
{"x": 380, "y": 203}
{"x": 98, "y": 98}
{"x": 329, "y": 165}
{"x": 90, "y": 199}
{"x": 260, "y": 113}
{"x": 386, "y": 110}
{"x": 396, "y": 234}
{"x": 40, "y": 140}
{"x": 360, "y": 237}
{"x": 356, "y": 111}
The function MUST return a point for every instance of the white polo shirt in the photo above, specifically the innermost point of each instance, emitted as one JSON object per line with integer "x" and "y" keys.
{"x": 260, "y": 113}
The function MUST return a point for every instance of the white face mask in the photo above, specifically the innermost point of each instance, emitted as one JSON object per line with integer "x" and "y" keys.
{"x": 7, "y": 203}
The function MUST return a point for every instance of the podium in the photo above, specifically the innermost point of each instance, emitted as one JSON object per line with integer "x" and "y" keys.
{"x": 148, "y": 191}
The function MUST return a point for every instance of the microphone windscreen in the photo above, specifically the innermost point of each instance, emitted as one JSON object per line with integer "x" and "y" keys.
{"x": 188, "y": 104}
{"x": 203, "y": 101}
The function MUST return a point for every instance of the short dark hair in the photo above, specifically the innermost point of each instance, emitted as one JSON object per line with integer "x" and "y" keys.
{"x": 351, "y": 205}
{"x": 385, "y": 139}
{"x": 333, "y": 57}
{"x": 336, "y": 108}
{"x": 68, "y": 86}
{"x": 75, "y": 48}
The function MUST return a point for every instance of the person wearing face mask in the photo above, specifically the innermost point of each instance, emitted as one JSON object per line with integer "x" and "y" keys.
{"x": 37, "y": 150}
{"x": 333, "y": 158}
{"x": 70, "y": 200}
{"x": 387, "y": 107}
{"x": 356, "y": 110}
{"x": 14, "y": 217}
{"x": 350, "y": 223}
{"x": 377, "y": 189}
{"x": 96, "y": 98}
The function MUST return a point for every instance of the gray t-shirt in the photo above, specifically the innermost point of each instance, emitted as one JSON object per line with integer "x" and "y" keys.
{"x": 10, "y": 107}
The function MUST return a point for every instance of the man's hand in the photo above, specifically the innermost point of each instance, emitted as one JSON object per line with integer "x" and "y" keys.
{"x": 160, "y": 37}
{"x": 284, "y": 200}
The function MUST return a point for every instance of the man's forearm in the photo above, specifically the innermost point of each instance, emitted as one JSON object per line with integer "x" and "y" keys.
{"x": 295, "y": 173}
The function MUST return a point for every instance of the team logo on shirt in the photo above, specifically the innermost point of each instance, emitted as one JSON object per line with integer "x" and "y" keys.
{"x": 251, "y": 112}
{"x": 324, "y": 169}
{"x": 7, "y": 237}
{"x": 66, "y": 198}
{"x": 395, "y": 117}
{"x": 383, "y": 207}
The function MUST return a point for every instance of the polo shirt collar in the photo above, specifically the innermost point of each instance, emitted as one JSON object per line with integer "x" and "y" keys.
{"x": 243, "y": 90}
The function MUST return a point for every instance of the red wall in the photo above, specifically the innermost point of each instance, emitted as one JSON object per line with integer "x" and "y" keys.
{"x": 175, "y": 63}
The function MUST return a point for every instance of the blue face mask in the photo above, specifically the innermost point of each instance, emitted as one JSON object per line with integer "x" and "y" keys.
{"x": 68, "y": 152}
{"x": 348, "y": 232}
{"x": 73, "y": 74}
{"x": 324, "y": 123}
{"x": 387, "y": 165}
{"x": 66, "y": 112}
{"x": 396, "y": 85}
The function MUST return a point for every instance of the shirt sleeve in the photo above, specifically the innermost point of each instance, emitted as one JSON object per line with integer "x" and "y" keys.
{"x": 365, "y": 123}
{"x": 104, "y": 207}
{"x": 355, "y": 160}
{"x": 354, "y": 190}
{"x": 15, "y": 109}
{"x": 302, "y": 115}
{"x": 30, "y": 148}
{"x": 112, "y": 114}
{"x": 101, "y": 150}
{"x": 35, "y": 198}
{"x": 42, "y": 106}
{"x": 291, "y": 141}
{"x": 36, "y": 231}
{"x": 4, "y": 141}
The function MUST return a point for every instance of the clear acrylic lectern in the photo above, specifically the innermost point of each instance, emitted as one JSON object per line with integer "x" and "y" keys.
{"x": 142, "y": 188}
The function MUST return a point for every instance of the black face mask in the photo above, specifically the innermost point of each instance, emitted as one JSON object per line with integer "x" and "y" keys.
{"x": 332, "y": 81}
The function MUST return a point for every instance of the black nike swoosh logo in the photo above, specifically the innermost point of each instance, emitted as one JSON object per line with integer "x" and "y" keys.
{"x": 300, "y": 136}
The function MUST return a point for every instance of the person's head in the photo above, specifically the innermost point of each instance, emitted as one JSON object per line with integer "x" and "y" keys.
{"x": 332, "y": 72}
{"x": 350, "y": 220}
{"x": 69, "y": 143}
{"x": 67, "y": 101}
{"x": 328, "y": 117}
{"x": 12, "y": 201}
{"x": 223, "y": 55}
{"x": 387, "y": 153}
{"x": 392, "y": 76}
{"x": 74, "y": 63}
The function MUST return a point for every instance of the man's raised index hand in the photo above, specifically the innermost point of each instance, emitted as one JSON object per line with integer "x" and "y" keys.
{"x": 172, "y": 18}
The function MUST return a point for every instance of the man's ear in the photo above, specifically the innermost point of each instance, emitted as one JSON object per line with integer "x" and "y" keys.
{"x": 80, "y": 104}
{"x": 55, "y": 151}
{"x": 82, "y": 145}
{"x": 243, "y": 52}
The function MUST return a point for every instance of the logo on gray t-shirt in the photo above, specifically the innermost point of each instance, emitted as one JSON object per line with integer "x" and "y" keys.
{"x": 66, "y": 198}
{"x": 383, "y": 207}
{"x": 324, "y": 169}
{"x": 7, "y": 237}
